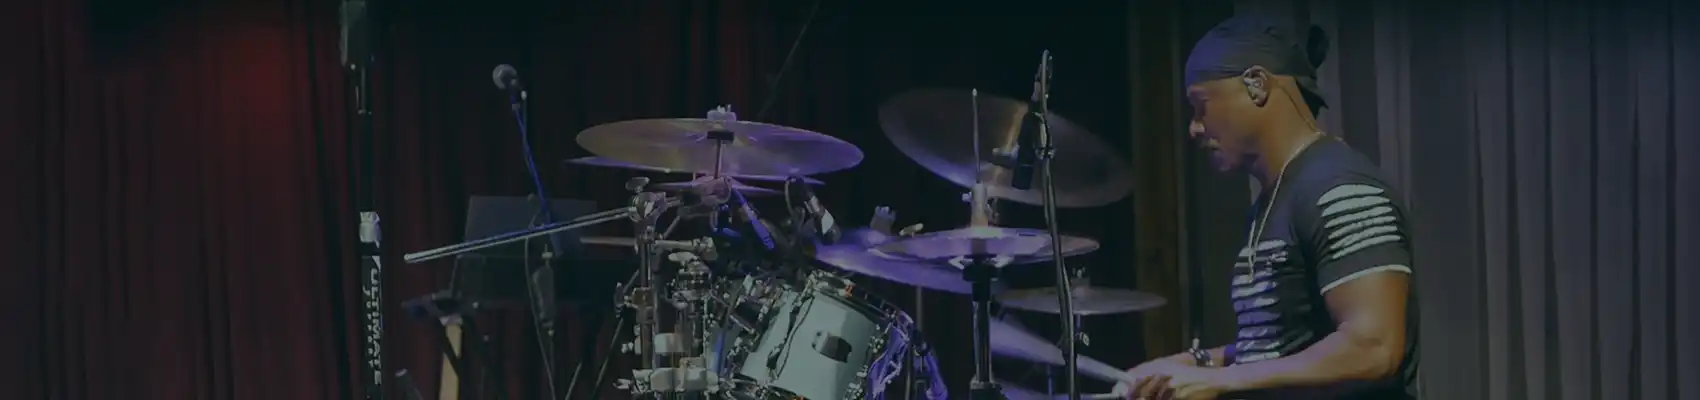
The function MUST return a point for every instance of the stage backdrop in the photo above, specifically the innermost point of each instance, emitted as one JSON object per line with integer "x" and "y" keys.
{"x": 178, "y": 225}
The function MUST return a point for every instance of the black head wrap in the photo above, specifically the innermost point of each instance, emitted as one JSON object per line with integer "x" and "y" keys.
{"x": 1245, "y": 41}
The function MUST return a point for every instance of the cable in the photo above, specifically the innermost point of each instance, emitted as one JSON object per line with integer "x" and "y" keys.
{"x": 773, "y": 87}
{"x": 534, "y": 296}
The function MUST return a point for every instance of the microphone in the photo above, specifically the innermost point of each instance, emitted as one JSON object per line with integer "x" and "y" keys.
{"x": 1026, "y": 144}
{"x": 825, "y": 226}
{"x": 743, "y": 214}
{"x": 507, "y": 79}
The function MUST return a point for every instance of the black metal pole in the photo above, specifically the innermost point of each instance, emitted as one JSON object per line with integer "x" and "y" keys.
{"x": 357, "y": 58}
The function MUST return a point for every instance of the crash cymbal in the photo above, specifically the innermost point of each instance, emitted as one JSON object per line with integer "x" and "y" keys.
{"x": 754, "y": 148}
{"x": 935, "y": 127}
{"x": 1012, "y": 245}
{"x": 1088, "y": 300}
{"x": 733, "y": 184}
{"x": 595, "y": 161}
{"x": 1014, "y": 342}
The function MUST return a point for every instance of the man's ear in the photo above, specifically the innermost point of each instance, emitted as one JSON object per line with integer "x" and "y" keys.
{"x": 1257, "y": 82}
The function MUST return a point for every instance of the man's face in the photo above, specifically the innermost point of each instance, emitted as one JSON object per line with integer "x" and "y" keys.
{"x": 1222, "y": 114}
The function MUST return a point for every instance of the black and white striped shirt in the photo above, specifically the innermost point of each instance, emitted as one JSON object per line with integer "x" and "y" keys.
{"x": 1333, "y": 220}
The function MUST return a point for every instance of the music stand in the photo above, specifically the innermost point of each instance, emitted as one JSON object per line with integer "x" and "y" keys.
{"x": 498, "y": 277}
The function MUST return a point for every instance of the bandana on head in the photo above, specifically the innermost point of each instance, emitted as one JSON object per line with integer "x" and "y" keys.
{"x": 1242, "y": 42}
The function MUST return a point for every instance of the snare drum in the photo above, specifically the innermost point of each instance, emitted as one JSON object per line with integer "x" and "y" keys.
{"x": 827, "y": 340}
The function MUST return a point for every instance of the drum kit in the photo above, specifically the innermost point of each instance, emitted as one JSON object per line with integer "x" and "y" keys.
{"x": 766, "y": 309}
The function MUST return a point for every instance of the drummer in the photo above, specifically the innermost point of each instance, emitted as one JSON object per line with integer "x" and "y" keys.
{"x": 1322, "y": 287}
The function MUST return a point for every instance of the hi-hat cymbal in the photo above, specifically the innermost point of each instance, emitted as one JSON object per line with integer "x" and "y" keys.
{"x": 685, "y": 144}
{"x": 595, "y": 161}
{"x": 1088, "y": 300}
{"x": 1015, "y": 245}
{"x": 1014, "y": 342}
{"x": 935, "y": 127}
{"x": 733, "y": 184}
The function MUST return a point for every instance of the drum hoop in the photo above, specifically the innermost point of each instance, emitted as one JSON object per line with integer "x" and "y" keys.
{"x": 847, "y": 293}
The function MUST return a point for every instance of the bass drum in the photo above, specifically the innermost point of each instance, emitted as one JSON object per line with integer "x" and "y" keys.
{"x": 825, "y": 341}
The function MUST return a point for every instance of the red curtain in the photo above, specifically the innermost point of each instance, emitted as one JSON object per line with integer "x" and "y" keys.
{"x": 173, "y": 212}
{"x": 179, "y": 223}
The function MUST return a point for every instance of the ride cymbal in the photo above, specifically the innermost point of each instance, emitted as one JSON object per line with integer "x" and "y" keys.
{"x": 693, "y": 144}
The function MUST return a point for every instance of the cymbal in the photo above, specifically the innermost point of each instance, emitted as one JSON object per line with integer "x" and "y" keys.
{"x": 1021, "y": 246}
{"x": 1014, "y": 342}
{"x": 734, "y": 184}
{"x": 864, "y": 261}
{"x": 756, "y": 148}
{"x": 935, "y": 127}
{"x": 1088, "y": 300}
{"x": 595, "y": 161}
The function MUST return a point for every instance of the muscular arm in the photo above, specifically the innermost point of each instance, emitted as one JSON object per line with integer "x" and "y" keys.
{"x": 1368, "y": 346}
{"x": 1357, "y": 232}
{"x": 1217, "y": 354}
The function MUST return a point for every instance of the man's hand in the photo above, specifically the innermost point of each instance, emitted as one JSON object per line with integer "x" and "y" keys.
{"x": 1148, "y": 381}
{"x": 1196, "y": 383}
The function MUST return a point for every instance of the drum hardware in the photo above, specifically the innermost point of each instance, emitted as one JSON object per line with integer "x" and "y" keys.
{"x": 549, "y": 229}
{"x": 614, "y": 342}
{"x": 729, "y": 183}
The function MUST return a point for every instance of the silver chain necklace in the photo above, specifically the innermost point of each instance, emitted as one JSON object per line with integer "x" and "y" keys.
{"x": 1255, "y": 234}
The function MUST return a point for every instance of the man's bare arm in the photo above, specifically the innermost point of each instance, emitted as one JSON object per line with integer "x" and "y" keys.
{"x": 1217, "y": 356}
{"x": 1368, "y": 346}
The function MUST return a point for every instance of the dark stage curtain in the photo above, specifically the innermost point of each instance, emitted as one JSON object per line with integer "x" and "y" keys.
{"x": 174, "y": 202}
{"x": 1547, "y": 151}
{"x": 1543, "y": 147}
{"x": 178, "y": 226}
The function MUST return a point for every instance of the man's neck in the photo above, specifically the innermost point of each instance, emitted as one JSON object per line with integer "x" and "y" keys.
{"x": 1276, "y": 152}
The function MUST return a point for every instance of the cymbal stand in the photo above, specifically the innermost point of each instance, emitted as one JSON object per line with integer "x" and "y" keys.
{"x": 1046, "y": 151}
{"x": 641, "y": 297}
{"x": 657, "y": 375}
{"x": 1051, "y": 370}
{"x": 979, "y": 270}
{"x": 915, "y": 377}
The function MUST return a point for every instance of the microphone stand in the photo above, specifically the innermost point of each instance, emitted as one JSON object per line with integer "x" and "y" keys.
{"x": 1045, "y": 151}
{"x": 357, "y": 58}
{"x": 542, "y": 308}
